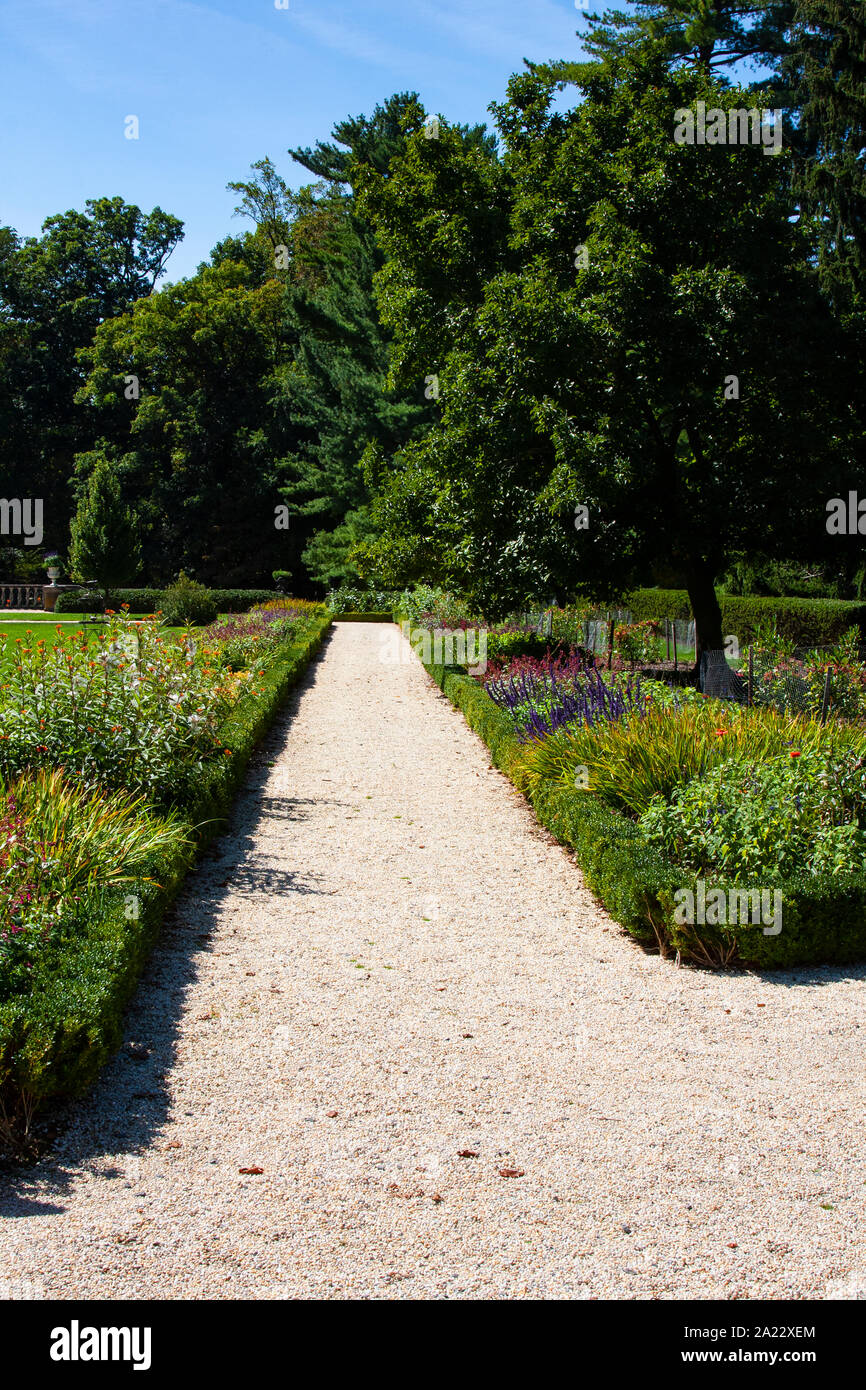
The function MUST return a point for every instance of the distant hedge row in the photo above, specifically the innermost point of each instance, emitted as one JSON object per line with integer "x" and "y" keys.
{"x": 810, "y": 622}
{"x": 151, "y": 600}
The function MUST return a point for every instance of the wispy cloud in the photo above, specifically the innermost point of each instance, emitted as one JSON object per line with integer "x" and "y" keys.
{"x": 535, "y": 29}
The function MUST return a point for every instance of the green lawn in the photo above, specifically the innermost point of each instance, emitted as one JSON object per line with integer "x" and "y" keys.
{"x": 43, "y": 628}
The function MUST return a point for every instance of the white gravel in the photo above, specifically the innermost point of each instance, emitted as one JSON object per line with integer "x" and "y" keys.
{"x": 387, "y": 962}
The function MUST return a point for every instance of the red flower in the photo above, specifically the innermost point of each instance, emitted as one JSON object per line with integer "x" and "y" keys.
{"x": 795, "y": 753}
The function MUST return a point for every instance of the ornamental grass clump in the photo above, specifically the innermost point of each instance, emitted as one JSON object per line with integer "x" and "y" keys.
{"x": 59, "y": 841}
{"x": 629, "y": 762}
{"x": 133, "y": 709}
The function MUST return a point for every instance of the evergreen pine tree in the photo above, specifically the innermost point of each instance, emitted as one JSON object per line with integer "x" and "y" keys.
{"x": 104, "y": 542}
{"x": 827, "y": 71}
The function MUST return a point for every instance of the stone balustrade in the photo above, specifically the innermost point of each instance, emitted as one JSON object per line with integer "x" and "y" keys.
{"x": 21, "y": 596}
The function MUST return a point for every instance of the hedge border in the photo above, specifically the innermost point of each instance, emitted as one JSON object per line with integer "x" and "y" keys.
{"x": 821, "y": 925}
{"x": 150, "y": 600}
{"x": 362, "y": 617}
{"x": 808, "y": 622}
{"x": 55, "y": 1041}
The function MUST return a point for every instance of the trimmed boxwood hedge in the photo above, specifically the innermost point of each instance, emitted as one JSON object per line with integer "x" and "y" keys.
{"x": 810, "y": 622}
{"x": 151, "y": 600}
{"x": 822, "y": 923}
{"x": 362, "y": 617}
{"x": 55, "y": 1040}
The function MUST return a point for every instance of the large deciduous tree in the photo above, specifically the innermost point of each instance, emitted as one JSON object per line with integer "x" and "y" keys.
{"x": 621, "y": 323}
{"x": 180, "y": 387}
{"x": 55, "y": 291}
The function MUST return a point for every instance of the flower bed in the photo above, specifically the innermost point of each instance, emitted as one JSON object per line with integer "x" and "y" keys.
{"x": 92, "y": 858}
{"x": 680, "y": 799}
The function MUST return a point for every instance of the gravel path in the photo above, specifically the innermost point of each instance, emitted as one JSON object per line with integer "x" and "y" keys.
{"x": 389, "y": 991}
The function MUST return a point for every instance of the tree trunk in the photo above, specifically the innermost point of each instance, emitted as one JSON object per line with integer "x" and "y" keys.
{"x": 705, "y": 607}
{"x": 720, "y": 681}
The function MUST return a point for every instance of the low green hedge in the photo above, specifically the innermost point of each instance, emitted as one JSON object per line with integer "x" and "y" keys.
{"x": 810, "y": 622}
{"x": 55, "y": 1039}
{"x": 151, "y": 600}
{"x": 821, "y": 922}
{"x": 362, "y": 617}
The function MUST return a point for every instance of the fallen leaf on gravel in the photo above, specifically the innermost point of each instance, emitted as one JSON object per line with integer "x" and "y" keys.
{"x": 467, "y": 1153}
{"x": 173, "y": 1144}
{"x": 511, "y": 1172}
{"x": 468, "y": 1035}
{"x": 762, "y": 1006}
{"x": 732, "y": 1245}
{"x": 332, "y": 1114}
{"x": 436, "y": 1197}
{"x": 251, "y": 1170}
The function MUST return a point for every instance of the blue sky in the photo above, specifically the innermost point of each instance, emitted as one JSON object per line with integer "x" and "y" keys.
{"x": 216, "y": 85}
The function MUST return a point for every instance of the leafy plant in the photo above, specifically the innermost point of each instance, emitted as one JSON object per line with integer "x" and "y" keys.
{"x": 652, "y": 753}
{"x": 188, "y": 603}
{"x": 795, "y": 812}
{"x": 131, "y": 710}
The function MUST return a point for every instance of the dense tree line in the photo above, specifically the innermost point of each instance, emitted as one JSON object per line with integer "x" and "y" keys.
{"x": 561, "y": 357}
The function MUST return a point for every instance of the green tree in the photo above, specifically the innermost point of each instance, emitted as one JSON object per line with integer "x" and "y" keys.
{"x": 337, "y": 388}
{"x": 181, "y": 389}
{"x": 826, "y": 67}
{"x": 55, "y": 291}
{"x": 709, "y": 35}
{"x": 104, "y": 532}
{"x": 642, "y": 334}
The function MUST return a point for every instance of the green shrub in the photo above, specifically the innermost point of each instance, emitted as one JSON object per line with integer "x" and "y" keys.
{"x": 348, "y": 598}
{"x": 749, "y": 819}
{"x": 363, "y": 617}
{"x": 188, "y": 604}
